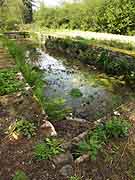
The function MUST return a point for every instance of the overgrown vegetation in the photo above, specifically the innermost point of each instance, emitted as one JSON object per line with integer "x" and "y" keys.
{"x": 32, "y": 75}
{"x": 20, "y": 175}
{"x": 9, "y": 82}
{"x": 15, "y": 12}
{"x": 23, "y": 127}
{"x": 113, "y": 16}
{"x": 49, "y": 148}
{"x": 114, "y": 128}
{"x": 76, "y": 93}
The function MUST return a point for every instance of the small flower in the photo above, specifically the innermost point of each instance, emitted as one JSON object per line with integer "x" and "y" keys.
{"x": 116, "y": 113}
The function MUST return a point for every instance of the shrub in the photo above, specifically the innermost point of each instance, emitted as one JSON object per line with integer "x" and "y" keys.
{"x": 23, "y": 127}
{"x": 49, "y": 148}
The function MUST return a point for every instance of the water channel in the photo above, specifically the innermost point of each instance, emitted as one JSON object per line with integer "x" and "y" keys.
{"x": 99, "y": 93}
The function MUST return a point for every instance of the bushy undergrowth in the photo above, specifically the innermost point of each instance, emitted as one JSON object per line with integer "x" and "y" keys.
{"x": 113, "y": 16}
{"x": 9, "y": 82}
{"x": 114, "y": 128}
{"x": 47, "y": 149}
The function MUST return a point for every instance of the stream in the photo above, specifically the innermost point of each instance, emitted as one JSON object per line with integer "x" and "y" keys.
{"x": 98, "y": 93}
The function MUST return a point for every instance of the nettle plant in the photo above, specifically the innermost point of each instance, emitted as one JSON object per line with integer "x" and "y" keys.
{"x": 23, "y": 127}
{"x": 114, "y": 128}
{"x": 47, "y": 149}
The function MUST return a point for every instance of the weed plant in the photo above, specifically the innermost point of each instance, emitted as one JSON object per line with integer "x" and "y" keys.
{"x": 49, "y": 148}
{"x": 9, "y": 82}
{"x": 55, "y": 109}
{"x": 20, "y": 175}
{"x": 23, "y": 127}
{"x": 114, "y": 128}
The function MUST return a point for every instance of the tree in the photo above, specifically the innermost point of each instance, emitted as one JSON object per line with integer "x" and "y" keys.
{"x": 28, "y": 13}
{"x": 10, "y": 14}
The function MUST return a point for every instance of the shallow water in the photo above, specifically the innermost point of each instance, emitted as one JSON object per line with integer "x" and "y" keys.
{"x": 100, "y": 93}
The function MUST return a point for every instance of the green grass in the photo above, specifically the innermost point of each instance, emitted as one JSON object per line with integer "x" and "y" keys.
{"x": 108, "y": 43}
{"x": 47, "y": 149}
{"x": 114, "y": 128}
{"x": 76, "y": 93}
{"x": 9, "y": 82}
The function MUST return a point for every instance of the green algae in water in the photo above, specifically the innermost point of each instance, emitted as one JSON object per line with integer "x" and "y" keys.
{"x": 76, "y": 93}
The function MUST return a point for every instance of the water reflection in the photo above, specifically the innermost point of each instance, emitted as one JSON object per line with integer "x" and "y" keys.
{"x": 100, "y": 92}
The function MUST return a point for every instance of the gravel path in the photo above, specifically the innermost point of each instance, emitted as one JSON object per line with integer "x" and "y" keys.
{"x": 100, "y": 36}
{"x": 95, "y": 35}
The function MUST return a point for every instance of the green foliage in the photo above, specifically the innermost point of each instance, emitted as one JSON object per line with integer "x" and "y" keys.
{"x": 113, "y": 16}
{"x": 32, "y": 75}
{"x": 55, "y": 109}
{"x": 49, "y": 148}
{"x": 9, "y": 82}
{"x": 74, "y": 178}
{"x": 20, "y": 175}
{"x": 116, "y": 16}
{"x": 15, "y": 12}
{"x": 76, "y": 93}
{"x": 130, "y": 79}
{"x": 23, "y": 127}
{"x": 116, "y": 127}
